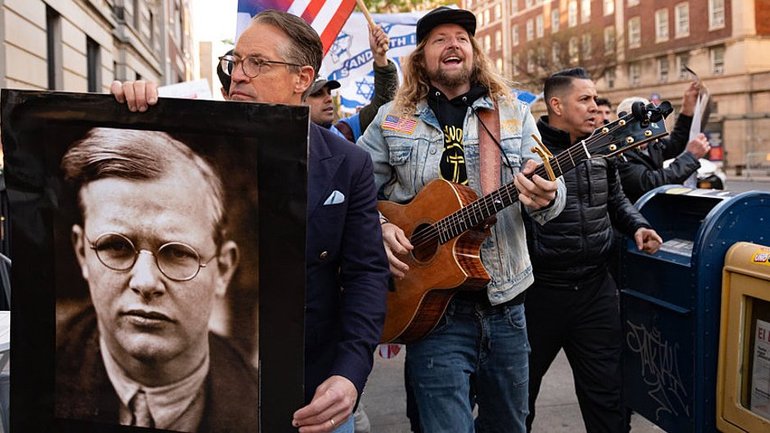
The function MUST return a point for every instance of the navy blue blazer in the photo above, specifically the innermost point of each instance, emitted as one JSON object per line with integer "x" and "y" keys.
{"x": 347, "y": 269}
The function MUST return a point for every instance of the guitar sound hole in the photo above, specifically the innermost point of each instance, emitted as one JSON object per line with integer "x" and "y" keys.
{"x": 425, "y": 240}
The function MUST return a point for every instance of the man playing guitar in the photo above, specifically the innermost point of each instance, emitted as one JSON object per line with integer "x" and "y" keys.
{"x": 455, "y": 119}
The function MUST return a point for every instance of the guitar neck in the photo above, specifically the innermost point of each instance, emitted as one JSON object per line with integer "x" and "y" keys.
{"x": 482, "y": 209}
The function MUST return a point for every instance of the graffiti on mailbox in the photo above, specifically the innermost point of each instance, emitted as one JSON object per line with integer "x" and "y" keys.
{"x": 659, "y": 368}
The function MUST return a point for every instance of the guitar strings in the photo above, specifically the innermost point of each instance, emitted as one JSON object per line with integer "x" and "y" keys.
{"x": 460, "y": 220}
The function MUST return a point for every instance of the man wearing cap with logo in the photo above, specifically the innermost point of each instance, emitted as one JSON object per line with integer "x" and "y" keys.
{"x": 385, "y": 84}
{"x": 455, "y": 118}
{"x": 321, "y": 103}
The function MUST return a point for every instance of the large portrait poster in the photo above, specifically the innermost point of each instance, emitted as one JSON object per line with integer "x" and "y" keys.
{"x": 158, "y": 263}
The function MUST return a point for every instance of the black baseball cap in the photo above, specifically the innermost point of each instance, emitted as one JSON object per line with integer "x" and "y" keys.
{"x": 320, "y": 84}
{"x": 445, "y": 15}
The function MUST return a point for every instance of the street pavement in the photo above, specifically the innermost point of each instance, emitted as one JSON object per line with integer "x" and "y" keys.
{"x": 557, "y": 407}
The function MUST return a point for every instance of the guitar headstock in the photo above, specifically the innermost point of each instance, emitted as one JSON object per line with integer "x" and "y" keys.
{"x": 645, "y": 123}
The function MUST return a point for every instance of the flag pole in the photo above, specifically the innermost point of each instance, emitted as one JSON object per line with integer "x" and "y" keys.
{"x": 368, "y": 16}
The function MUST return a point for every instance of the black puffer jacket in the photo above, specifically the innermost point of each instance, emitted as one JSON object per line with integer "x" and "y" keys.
{"x": 576, "y": 245}
{"x": 641, "y": 172}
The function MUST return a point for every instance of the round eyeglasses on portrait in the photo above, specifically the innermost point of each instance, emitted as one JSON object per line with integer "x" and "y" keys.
{"x": 176, "y": 260}
{"x": 250, "y": 65}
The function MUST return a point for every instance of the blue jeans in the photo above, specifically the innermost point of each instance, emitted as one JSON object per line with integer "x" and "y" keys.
{"x": 474, "y": 355}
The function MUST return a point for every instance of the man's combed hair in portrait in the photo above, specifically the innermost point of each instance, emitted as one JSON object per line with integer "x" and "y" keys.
{"x": 138, "y": 155}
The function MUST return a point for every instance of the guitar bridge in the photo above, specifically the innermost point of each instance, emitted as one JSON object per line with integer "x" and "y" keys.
{"x": 545, "y": 155}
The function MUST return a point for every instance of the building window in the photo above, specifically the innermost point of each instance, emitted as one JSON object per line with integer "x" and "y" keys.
{"x": 609, "y": 7}
{"x": 486, "y": 16}
{"x": 498, "y": 40}
{"x": 499, "y": 64}
{"x": 718, "y": 60}
{"x": 177, "y": 22}
{"x": 530, "y": 61}
{"x": 54, "y": 49}
{"x": 609, "y": 39}
{"x": 498, "y": 11}
{"x": 514, "y": 6}
{"x": 682, "y": 17}
{"x": 137, "y": 16}
{"x": 556, "y": 54}
{"x": 586, "y": 46}
{"x": 574, "y": 50}
{"x": 633, "y": 3}
{"x": 635, "y": 74}
{"x": 716, "y": 14}
{"x": 530, "y": 30}
{"x": 609, "y": 77}
{"x": 585, "y": 11}
{"x": 539, "y": 26}
{"x": 516, "y": 64}
{"x": 515, "y": 33}
{"x": 555, "y": 20}
{"x": 681, "y": 65}
{"x": 661, "y": 25}
{"x": 94, "y": 65}
{"x": 152, "y": 29}
{"x": 634, "y": 33}
{"x": 469, "y": 4}
{"x": 663, "y": 69}
{"x": 527, "y": 3}
{"x": 487, "y": 43}
{"x": 572, "y": 13}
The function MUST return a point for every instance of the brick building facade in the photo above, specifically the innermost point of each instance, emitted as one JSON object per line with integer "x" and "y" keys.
{"x": 639, "y": 48}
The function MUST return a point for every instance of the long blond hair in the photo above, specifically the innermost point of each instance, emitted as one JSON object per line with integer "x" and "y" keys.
{"x": 416, "y": 82}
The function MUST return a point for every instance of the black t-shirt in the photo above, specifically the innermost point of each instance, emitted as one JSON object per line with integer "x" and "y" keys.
{"x": 451, "y": 115}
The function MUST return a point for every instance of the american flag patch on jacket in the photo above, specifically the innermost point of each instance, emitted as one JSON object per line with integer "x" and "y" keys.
{"x": 399, "y": 124}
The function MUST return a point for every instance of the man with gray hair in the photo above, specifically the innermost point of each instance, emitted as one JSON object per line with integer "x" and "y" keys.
{"x": 152, "y": 247}
{"x": 275, "y": 60}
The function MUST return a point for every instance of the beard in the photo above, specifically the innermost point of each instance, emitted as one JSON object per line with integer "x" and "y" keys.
{"x": 453, "y": 79}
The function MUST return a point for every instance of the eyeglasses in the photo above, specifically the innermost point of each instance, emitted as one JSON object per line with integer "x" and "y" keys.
{"x": 176, "y": 260}
{"x": 251, "y": 66}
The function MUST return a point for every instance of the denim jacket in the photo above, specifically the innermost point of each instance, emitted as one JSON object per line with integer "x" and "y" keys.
{"x": 406, "y": 155}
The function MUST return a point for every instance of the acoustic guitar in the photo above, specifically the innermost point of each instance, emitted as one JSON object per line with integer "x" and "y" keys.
{"x": 447, "y": 223}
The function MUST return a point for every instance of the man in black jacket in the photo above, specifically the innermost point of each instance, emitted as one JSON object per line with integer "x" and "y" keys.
{"x": 642, "y": 168}
{"x": 573, "y": 303}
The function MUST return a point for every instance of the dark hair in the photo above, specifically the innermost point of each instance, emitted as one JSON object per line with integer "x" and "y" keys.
{"x": 223, "y": 77}
{"x": 562, "y": 80}
{"x": 139, "y": 155}
{"x": 306, "y": 47}
{"x": 603, "y": 101}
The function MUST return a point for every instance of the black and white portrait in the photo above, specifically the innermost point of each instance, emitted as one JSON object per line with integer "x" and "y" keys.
{"x": 143, "y": 252}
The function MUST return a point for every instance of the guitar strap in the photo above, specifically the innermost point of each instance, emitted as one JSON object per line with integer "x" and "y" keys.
{"x": 489, "y": 153}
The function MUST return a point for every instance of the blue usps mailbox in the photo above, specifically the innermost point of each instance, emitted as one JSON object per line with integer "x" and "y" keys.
{"x": 670, "y": 301}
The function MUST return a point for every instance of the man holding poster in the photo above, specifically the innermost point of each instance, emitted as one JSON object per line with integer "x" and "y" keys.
{"x": 275, "y": 61}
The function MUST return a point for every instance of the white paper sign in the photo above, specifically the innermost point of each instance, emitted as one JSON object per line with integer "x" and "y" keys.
{"x": 701, "y": 105}
{"x": 760, "y": 374}
{"x": 198, "y": 89}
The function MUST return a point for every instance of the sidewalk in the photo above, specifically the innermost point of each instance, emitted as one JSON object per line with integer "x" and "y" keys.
{"x": 557, "y": 407}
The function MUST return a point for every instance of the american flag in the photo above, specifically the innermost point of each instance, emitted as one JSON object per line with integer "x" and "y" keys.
{"x": 326, "y": 16}
{"x": 400, "y": 124}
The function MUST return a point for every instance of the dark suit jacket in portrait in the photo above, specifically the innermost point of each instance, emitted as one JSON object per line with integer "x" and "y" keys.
{"x": 347, "y": 269}
{"x": 84, "y": 391}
